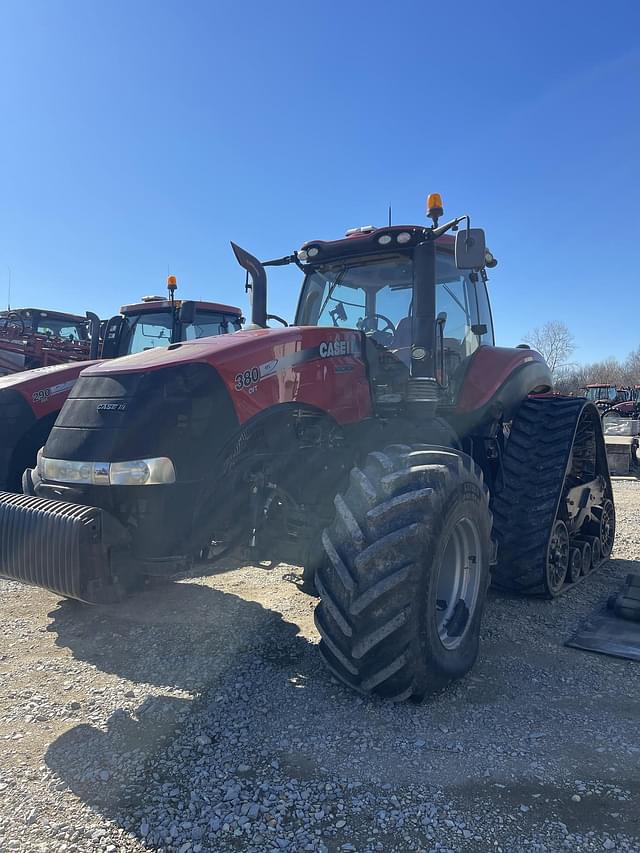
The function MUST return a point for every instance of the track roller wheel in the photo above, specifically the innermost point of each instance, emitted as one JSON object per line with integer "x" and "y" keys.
{"x": 558, "y": 554}
{"x": 403, "y": 587}
{"x": 585, "y": 551}
{"x": 605, "y": 528}
{"x": 596, "y": 551}
{"x": 575, "y": 564}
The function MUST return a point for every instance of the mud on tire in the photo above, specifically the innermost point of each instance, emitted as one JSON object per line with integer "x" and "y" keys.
{"x": 403, "y": 587}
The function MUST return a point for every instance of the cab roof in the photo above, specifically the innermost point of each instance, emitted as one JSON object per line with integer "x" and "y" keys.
{"x": 366, "y": 240}
{"x": 162, "y": 304}
{"x": 58, "y": 315}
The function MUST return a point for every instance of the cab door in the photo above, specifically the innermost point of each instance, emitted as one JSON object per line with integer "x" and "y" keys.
{"x": 111, "y": 339}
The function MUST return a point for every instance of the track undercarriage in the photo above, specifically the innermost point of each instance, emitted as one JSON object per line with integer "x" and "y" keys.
{"x": 554, "y": 519}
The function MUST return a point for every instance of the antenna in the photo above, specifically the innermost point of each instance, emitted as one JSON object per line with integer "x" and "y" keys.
{"x": 389, "y": 216}
{"x": 9, "y": 291}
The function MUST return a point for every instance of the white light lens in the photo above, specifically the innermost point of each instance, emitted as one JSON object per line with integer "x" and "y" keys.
{"x": 403, "y": 237}
{"x": 39, "y": 459}
{"x": 302, "y": 255}
{"x": 384, "y": 240}
{"x": 138, "y": 472}
{"x": 129, "y": 473}
{"x": 313, "y": 251}
{"x": 64, "y": 471}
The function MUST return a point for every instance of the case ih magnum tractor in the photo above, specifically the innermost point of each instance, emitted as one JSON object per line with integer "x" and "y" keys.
{"x": 383, "y": 442}
{"x": 31, "y": 401}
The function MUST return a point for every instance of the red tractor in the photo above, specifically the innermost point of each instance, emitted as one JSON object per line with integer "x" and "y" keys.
{"x": 629, "y": 407}
{"x": 31, "y": 400}
{"x": 383, "y": 442}
{"x": 33, "y": 337}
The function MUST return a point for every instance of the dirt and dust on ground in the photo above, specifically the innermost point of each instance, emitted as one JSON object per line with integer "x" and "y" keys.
{"x": 198, "y": 717}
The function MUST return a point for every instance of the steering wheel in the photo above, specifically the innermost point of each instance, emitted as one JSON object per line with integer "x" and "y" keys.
{"x": 15, "y": 321}
{"x": 383, "y": 336}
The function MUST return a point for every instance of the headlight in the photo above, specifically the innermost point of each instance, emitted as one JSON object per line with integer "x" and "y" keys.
{"x": 138, "y": 472}
{"x": 142, "y": 472}
{"x": 64, "y": 471}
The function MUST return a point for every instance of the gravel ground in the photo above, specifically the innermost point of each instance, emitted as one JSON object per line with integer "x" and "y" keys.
{"x": 198, "y": 717}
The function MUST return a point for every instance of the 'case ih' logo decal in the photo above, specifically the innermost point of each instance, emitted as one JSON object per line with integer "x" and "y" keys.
{"x": 248, "y": 379}
{"x": 327, "y": 349}
{"x": 111, "y": 407}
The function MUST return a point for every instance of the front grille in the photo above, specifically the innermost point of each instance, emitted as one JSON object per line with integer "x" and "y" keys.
{"x": 66, "y": 548}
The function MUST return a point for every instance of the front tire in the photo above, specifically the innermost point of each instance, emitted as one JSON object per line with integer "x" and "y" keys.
{"x": 404, "y": 584}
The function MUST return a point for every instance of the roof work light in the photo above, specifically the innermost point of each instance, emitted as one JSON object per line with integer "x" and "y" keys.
{"x": 434, "y": 207}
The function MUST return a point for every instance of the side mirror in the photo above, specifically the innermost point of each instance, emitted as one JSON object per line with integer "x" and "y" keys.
{"x": 187, "y": 313}
{"x": 470, "y": 249}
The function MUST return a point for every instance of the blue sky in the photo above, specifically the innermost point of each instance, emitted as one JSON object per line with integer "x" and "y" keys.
{"x": 138, "y": 135}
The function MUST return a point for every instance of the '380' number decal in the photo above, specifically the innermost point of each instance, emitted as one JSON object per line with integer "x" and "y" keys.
{"x": 247, "y": 378}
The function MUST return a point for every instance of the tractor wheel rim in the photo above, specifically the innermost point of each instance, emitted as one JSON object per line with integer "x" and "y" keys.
{"x": 558, "y": 557}
{"x": 606, "y": 529}
{"x": 458, "y": 583}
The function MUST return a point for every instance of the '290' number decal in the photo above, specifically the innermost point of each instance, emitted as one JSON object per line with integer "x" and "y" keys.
{"x": 247, "y": 378}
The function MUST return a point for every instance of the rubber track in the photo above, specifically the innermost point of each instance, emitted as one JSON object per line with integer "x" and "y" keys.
{"x": 368, "y": 614}
{"x": 535, "y": 465}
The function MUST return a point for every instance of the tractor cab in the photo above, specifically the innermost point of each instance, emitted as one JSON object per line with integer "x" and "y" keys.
{"x": 35, "y": 337}
{"x": 606, "y": 395}
{"x": 417, "y": 296}
{"x": 369, "y": 286}
{"x": 157, "y": 321}
{"x": 53, "y": 325}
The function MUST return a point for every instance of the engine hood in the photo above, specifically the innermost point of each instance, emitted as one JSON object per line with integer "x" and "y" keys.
{"x": 54, "y": 372}
{"x": 215, "y": 351}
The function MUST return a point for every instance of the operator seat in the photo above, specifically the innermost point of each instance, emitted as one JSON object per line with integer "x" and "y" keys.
{"x": 402, "y": 336}
{"x": 401, "y": 343}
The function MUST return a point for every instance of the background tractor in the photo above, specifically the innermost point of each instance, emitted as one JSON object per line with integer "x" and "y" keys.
{"x": 383, "y": 442}
{"x": 33, "y": 337}
{"x": 30, "y": 401}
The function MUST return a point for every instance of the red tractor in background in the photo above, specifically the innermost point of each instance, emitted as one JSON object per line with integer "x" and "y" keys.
{"x": 629, "y": 407}
{"x": 383, "y": 442}
{"x": 30, "y": 401}
{"x": 32, "y": 338}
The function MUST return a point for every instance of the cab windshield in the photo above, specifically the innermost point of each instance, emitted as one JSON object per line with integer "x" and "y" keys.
{"x": 57, "y": 327}
{"x": 375, "y": 297}
{"x": 150, "y": 330}
{"x": 602, "y": 392}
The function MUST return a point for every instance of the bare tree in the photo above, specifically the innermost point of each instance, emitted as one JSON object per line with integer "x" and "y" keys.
{"x": 555, "y": 342}
{"x": 632, "y": 366}
{"x": 610, "y": 371}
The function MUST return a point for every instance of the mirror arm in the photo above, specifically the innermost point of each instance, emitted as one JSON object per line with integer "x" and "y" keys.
{"x": 280, "y": 262}
{"x": 451, "y": 225}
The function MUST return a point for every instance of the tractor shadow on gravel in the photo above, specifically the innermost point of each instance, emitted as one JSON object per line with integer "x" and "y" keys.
{"x": 184, "y": 646}
{"x": 182, "y": 636}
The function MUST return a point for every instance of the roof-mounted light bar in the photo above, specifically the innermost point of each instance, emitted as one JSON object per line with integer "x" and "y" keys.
{"x": 363, "y": 229}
